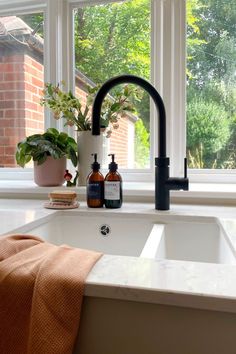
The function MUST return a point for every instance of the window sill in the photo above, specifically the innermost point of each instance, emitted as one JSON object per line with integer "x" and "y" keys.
{"x": 199, "y": 193}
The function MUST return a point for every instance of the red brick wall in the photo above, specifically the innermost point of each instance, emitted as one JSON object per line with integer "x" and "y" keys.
{"x": 80, "y": 91}
{"x": 119, "y": 143}
{"x": 21, "y": 82}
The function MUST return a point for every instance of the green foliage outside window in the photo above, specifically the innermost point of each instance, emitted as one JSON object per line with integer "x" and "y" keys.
{"x": 207, "y": 130}
{"x": 113, "y": 39}
{"x": 211, "y": 104}
{"x": 142, "y": 146}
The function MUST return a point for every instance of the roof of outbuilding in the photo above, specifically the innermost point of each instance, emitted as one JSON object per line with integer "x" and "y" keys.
{"x": 15, "y": 32}
{"x": 13, "y": 25}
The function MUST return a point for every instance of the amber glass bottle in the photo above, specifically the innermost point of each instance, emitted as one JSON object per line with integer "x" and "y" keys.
{"x": 95, "y": 186}
{"x": 113, "y": 186}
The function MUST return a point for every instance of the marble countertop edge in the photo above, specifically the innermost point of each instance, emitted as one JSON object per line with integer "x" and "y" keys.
{"x": 162, "y": 297}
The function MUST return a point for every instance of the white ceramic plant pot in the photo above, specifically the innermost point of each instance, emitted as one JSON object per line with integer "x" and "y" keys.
{"x": 50, "y": 173}
{"x": 89, "y": 144}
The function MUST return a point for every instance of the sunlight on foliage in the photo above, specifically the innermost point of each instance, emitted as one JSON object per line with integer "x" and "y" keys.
{"x": 142, "y": 145}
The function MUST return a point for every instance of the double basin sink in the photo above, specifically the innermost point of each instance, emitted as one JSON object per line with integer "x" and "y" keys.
{"x": 169, "y": 237}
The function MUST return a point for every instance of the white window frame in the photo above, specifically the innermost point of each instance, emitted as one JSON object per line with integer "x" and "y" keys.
{"x": 168, "y": 42}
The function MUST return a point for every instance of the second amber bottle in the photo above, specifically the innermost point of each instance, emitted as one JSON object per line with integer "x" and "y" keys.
{"x": 113, "y": 186}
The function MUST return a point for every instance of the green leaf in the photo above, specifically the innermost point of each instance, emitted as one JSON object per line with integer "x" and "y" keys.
{"x": 126, "y": 91}
{"x": 62, "y": 138}
{"x": 115, "y": 106}
{"x": 53, "y": 131}
{"x": 49, "y": 88}
{"x": 19, "y": 159}
{"x": 27, "y": 158}
{"x": 41, "y": 159}
{"x": 72, "y": 143}
{"x": 72, "y": 156}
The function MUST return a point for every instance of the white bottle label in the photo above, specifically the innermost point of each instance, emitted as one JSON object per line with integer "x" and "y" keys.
{"x": 112, "y": 190}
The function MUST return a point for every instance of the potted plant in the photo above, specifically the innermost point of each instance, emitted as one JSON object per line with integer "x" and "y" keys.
{"x": 68, "y": 107}
{"x": 49, "y": 152}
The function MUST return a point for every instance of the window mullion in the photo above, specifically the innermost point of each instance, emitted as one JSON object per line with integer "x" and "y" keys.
{"x": 53, "y": 51}
{"x": 169, "y": 74}
{"x": 156, "y": 70}
{"x": 178, "y": 87}
{"x": 60, "y": 51}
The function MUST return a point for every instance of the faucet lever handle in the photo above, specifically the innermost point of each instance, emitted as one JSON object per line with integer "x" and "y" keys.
{"x": 185, "y": 167}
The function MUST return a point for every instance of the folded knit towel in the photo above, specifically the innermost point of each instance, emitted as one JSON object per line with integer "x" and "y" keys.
{"x": 41, "y": 292}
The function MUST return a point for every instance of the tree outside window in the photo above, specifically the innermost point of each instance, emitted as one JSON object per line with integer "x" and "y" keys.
{"x": 211, "y": 84}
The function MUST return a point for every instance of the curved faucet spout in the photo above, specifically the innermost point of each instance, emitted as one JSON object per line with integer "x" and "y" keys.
{"x": 131, "y": 79}
{"x": 163, "y": 183}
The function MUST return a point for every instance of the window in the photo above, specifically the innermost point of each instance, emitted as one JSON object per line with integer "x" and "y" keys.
{"x": 211, "y": 84}
{"x": 94, "y": 40}
{"x": 21, "y": 81}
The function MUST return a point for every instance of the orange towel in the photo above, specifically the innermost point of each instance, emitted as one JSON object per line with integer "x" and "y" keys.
{"x": 41, "y": 292}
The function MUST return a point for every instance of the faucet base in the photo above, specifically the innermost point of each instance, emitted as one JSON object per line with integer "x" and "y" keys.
{"x": 164, "y": 183}
{"x": 162, "y": 193}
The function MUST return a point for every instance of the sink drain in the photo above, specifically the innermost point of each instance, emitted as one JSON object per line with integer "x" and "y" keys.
{"x": 105, "y": 230}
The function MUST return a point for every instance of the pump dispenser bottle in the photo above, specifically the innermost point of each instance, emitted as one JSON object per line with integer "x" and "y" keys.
{"x": 113, "y": 186}
{"x": 95, "y": 186}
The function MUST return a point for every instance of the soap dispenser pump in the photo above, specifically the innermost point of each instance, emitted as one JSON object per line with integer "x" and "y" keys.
{"x": 113, "y": 186}
{"x": 95, "y": 186}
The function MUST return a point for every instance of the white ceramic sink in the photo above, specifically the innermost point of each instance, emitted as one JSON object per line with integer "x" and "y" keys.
{"x": 190, "y": 241}
{"x": 187, "y": 238}
{"x": 116, "y": 235}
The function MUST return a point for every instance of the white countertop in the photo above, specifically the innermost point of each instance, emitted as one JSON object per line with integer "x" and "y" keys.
{"x": 188, "y": 284}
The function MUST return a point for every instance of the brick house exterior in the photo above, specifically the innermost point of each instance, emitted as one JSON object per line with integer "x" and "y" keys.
{"x": 21, "y": 84}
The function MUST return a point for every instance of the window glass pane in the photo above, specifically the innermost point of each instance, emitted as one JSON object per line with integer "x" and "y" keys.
{"x": 21, "y": 82}
{"x": 211, "y": 84}
{"x": 111, "y": 40}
